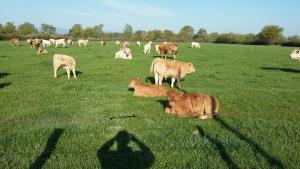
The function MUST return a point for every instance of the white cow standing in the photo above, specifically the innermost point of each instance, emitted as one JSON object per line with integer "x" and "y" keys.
{"x": 295, "y": 54}
{"x": 60, "y": 42}
{"x": 46, "y": 43}
{"x": 82, "y": 42}
{"x": 138, "y": 43}
{"x": 147, "y": 48}
{"x": 118, "y": 42}
{"x": 195, "y": 44}
{"x": 52, "y": 41}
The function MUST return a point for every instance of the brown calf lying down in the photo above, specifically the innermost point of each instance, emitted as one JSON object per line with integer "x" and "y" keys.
{"x": 146, "y": 90}
{"x": 192, "y": 104}
{"x": 41, "y": 51}
{"x": 14, "y": 42}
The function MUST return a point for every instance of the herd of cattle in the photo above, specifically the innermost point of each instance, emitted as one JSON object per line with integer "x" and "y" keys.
{"x": 198, "y": 105}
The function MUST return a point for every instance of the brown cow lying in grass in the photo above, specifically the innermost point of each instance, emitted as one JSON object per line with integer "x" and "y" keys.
{"x": 63, "y": 60}
{"x": 146, "y": 90}
{"x": 192, "y": 104}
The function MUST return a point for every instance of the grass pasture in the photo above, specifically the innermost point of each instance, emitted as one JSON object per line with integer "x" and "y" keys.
{"x": 94, "y": 121}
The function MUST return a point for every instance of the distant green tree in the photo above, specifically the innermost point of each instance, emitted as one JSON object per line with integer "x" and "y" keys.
{"x": 140, "y": 35}
{"x": 48, "y": 29}
{"x": 26, "y": 29}
{"x": 271, "y": 34}
{"x": 1, "y": 28}
{"x": 169, "y": 35}
{"x": 99, "y": 30}
{"x": 201, "y": 35}
{"x": 76, "y": 31}
{"x": 128, "y": 32}
{"x": 9, "y": 28}
{"x": 186, "y": 33}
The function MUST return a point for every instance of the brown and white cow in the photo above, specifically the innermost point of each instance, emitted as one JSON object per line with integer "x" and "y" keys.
{"x": 192, "y": 104}
{"x": 102, "y": 43}
{"x": 164, "y": 49}
{"x": 36, "y": 43}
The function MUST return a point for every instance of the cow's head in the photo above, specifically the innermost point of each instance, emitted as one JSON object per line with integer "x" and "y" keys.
{"x": 295, "y": 54}
{"x": 134, "y": 82}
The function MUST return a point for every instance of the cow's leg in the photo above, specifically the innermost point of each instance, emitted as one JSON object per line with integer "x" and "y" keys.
{"x": 174, "y": 56}
{"x": 156, "y": 78}
{"x": 178, "y": 83}
{"x": 74, "y": 73}
{"x": 68, "y": 72}
{"x": 172, "y": 82}
{"x": 55, "y": 68}
{"x": 160, "y": 79}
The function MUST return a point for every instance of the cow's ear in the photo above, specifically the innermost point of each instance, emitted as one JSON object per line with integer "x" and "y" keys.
{"x": 297, "y": 51}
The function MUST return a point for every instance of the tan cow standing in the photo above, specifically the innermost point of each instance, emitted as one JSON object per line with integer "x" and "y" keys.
{"x": 192, "y": 104}
{"x": 176, "y": 70}
{"x": 63, "y": 60}
{"x": 14, "y": 42}
{"x": 83, "y": 42}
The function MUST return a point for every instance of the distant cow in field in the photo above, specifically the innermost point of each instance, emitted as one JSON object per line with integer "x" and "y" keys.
{"x": 67, "y": 62}
{"x": 147, "y": 48}
{"x": 146, "y": 90}
{"x": 60, "y": 42}
{"x": 192, "y": 104}
{"x": 14, "y": 42}
{"x": 41, "y": 51}
{"x": 69, "y": 42}
{"x": 52, "y": 41}
{"x": 164, "y": 49}
{"x": 46, "y": 43}
{"x": 118, "y": 42}
{"x": 138, "y": 43}
{"x": 125, "y": 44}
{"x": 83, "y": 42}
{"x": 165, "y": 68}
{"x": 124, "y": 53}
{"x": 102, "y": 43}
{"x": 195, "y": 45}
{"x": 295, "y": 54}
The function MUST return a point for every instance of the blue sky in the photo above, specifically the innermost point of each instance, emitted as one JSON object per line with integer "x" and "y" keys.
{"x": 239, "y": 16}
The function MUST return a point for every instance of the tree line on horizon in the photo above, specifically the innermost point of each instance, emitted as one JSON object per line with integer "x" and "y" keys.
{"x": 269, "y": 35}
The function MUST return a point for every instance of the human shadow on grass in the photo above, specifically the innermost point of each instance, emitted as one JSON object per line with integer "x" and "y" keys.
{"x": 220, "y": 147}
{"x": 122, "y": 156}
{"x": 3, "y": 85}
{"x": 50, "y": 147}
{"x": 273, "y": 162}
{"x": 288, "y": 70}
{"x": 4, "y": 74}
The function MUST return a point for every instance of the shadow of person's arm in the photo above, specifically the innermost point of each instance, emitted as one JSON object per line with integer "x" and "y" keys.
{"x": 106, "y": 146}
{"x": 141, "y": 145}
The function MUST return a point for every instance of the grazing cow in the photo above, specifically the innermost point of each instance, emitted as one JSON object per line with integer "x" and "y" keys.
{"x": 60, "y": 42}
{"x": 192, "y": 104}
{"x": 46, "y": 43}
{"x": 146, "y": 90}
{"x": 102, "y": 43}
{"x": 69, "y": 42}
{"x": 83, "y": 42}
{"x": 124, "y": 53}
{"x": 163, "y": 49}
{"x": 176, "y": 70}
{"x": 36, "y": 43}
{"x": 63, "y": 60}
{"x": 52, "y": 41}
{"x": 138, "y": 43}
{"x": 118, "y": 42}
{"x": 195, "y": 44}
{"x": 295, "y": 54}
{"x": 147, "y": 48}
{"x": 41, "y": 51}
{"x": 14, "y": 42}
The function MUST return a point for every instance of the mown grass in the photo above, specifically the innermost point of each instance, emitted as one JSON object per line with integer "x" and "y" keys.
{"x": 60, "y": 123}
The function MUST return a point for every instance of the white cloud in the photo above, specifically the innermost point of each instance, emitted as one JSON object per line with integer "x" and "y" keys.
{"x": 139, "y": 9}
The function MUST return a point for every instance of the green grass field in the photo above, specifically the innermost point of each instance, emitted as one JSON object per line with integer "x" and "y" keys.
{"x": 94, "y": 121}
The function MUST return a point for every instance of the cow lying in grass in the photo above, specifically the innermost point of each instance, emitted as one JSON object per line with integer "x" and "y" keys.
{"x": 146, "y": 90}
{"x": 41, "y": 51}
{"x": 14, "y": 42}
{"x": 63, "y": 60}
{"x": 191, "y": 104}
{"x": 124, "y": 53}
{"x": 295, "y": 54}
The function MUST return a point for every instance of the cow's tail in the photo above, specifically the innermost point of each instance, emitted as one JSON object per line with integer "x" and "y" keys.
{"x": 215, "y": 106}
{"x": 152, "y": 65}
